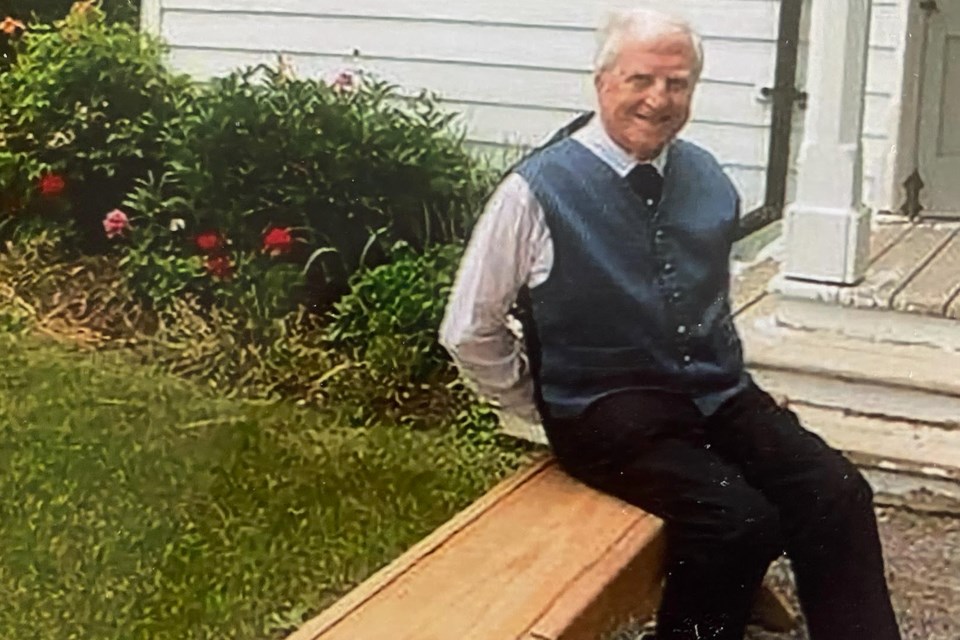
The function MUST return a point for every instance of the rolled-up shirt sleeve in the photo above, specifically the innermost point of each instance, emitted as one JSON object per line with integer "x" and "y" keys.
{"x": 508, "y": 246}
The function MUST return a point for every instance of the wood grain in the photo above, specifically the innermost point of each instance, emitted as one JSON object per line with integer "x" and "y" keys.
{"x": 382, "y": 579}
{"x": 492, "y": 577}
{"x": 624, "y": 583}
{"x": 935, "y": 285}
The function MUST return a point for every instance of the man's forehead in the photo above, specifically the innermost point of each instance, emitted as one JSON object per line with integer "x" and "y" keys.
{"x": 673, "y": 49}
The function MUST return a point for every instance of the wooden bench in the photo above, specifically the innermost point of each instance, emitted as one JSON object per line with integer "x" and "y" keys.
{"x": 540, "y": 557}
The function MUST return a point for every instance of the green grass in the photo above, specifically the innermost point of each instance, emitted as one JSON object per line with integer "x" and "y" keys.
{"x": 135, "y": 505}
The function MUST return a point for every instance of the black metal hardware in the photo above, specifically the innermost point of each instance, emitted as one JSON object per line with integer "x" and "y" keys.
{"x": 913, "y": 186}
{"x": 785, "y": 97}
{"x": 791, "y": 94}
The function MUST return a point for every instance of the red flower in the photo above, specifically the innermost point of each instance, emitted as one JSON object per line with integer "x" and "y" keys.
{"x": 220, "y": 267}
{"x": 277, "y": 241}
{"x": 51, "y": 185}
{"x": 209, "y": 241}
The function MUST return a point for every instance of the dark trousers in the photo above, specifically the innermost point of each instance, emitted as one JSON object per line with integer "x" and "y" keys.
{"x": 736, "y": 490}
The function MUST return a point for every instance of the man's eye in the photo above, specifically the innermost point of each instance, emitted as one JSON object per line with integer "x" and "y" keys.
{"x": 678, "y": 84}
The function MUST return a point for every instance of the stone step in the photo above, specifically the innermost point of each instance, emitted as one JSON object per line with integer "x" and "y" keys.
{"x": 905, "y": 462}
{"x": 894, "y": 445}
{"x": 874, "y": 324}
{"x": 866, "y": 375}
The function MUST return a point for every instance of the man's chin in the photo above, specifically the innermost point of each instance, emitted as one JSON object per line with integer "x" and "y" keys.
{"x": 649, "y": 148}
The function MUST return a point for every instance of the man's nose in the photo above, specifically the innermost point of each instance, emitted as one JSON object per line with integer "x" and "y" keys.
{"x": 657, "y": 96}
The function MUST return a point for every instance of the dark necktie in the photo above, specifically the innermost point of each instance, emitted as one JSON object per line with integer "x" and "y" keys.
{"x": 647, "y": 183}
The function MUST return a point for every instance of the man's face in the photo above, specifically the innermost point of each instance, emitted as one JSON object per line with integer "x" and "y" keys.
{"x": 644, "y": 96}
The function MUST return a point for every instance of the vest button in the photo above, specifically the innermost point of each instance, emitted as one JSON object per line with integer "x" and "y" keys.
{"x": 682, "y": 329}
{"x": 668, "y": 267}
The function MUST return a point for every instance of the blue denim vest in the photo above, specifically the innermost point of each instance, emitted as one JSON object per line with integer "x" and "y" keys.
{"x": 637, "y": 298}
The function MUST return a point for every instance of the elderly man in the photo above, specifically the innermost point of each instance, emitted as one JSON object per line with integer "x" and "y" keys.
{"x": 615, "y": 240}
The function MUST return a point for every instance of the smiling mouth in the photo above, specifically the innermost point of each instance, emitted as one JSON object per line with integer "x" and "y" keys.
{"x": 652, "y": 119}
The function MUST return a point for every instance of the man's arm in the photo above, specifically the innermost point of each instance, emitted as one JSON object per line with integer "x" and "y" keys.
{"x": 508, "y": 243}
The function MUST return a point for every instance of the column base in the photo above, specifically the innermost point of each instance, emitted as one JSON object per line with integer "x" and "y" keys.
{"x": 825, "y": 244}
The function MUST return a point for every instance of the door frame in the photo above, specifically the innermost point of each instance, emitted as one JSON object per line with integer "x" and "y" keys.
{"x": 902, "y": 158}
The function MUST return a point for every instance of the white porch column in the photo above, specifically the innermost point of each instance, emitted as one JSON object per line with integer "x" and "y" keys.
{"x": 827, "y": 226}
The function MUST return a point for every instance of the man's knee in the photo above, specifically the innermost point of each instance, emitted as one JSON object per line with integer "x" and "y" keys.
{"x": 755, "y": 528}
{"x": 746, "y": 530}
{"x": 838, "y": 490}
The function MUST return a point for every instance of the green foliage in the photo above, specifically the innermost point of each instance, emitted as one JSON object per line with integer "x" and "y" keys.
{"x": 239, "y": 352}
{"x": 15, "y": 313}
{"x": 160, "y": 277}
{"x": 85, "y": 100}
{"x": 350, "y": 170}
{"x": 46, "y": 11}
{"x": 387, "y": 326}
{"x": 147, "y": 509}
{"x": 390, "y": 318}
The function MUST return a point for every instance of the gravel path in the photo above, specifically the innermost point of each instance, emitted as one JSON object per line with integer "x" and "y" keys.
{"x": 923, "y": 569}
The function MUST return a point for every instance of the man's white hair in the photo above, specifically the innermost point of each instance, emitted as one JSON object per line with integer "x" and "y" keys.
{"x": 643, "y": 25}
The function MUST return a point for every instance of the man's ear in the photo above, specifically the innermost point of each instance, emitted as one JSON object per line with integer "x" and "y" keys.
{"x": 598, "y": 80}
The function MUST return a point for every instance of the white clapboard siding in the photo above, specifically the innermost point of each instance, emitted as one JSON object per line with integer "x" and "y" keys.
{"x": 517, "y": 70}
{"x": 749, "y": 62}
{"x": 712, "y": 17}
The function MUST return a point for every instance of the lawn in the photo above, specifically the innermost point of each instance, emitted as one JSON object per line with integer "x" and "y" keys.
{"x": 137, "y": 505}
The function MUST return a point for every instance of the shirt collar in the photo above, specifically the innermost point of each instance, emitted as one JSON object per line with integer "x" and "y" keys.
{"x": 595, "y": 138}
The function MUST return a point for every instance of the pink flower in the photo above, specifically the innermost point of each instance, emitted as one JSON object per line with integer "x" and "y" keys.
{"x": 277, "y": 241}
{"x": 116, "y": 223}
{"x": 344, "y": 81}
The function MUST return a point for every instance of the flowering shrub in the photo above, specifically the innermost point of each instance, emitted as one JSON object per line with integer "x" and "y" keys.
{"x": 259, "y": 189}
{"x": 82, "y": 113}
{"x": 325, "y": 175}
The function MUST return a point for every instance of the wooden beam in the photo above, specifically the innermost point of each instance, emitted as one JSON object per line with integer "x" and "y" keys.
{"x": 623, "y": 584}
{"x": 382, "y": 579}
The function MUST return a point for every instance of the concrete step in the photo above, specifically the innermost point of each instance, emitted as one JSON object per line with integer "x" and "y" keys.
{"x": 915, "y": 463}
{"x": 882, "y": 386}
{"x": 863, "y": 374}
{"x": 873, "y": 323}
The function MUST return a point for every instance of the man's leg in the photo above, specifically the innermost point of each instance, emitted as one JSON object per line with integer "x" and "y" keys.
{"x": 826, "y": 514}
{"x": 650, "y": 450}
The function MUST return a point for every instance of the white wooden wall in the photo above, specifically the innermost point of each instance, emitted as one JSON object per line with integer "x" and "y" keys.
{"x": 884, "y": 71}
{"x": 516, "y": 69}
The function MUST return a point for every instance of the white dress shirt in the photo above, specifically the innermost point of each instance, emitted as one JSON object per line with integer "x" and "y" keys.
{"x": 510, "y": 247}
